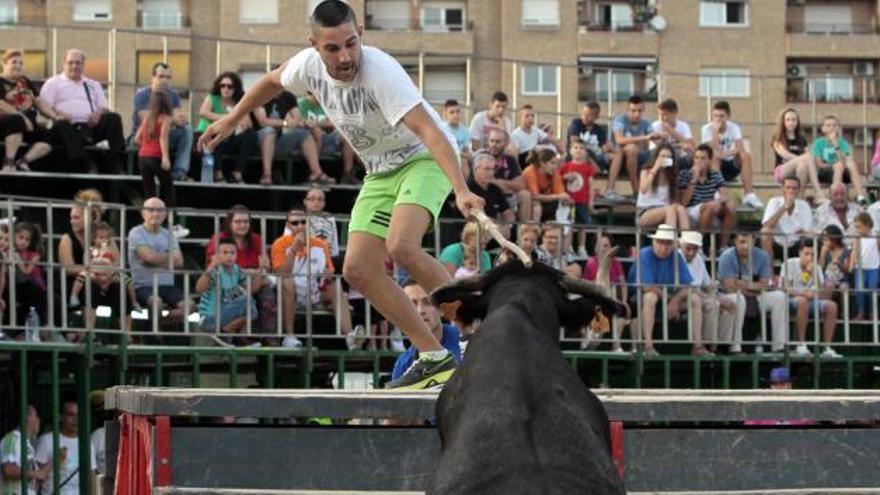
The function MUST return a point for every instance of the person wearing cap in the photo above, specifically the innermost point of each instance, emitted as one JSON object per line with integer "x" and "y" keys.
{"x": 745, "y": 270}
{"x": 780, "y": 379}
{"x": 691, "y": 244}
{"x": 660, "y": 269}
{"x": 804, "y": 281}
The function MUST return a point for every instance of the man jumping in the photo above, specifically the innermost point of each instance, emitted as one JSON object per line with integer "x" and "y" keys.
{"x": 411, "y": 167}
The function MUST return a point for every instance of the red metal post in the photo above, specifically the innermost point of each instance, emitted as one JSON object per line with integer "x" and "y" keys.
{"x": 617, "y": 448}
{"x": 163, "y": 451}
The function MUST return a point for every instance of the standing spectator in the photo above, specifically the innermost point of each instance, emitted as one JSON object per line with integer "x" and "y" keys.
{"x": 675, "y": 132}
{"x": 544, "y": 183}
{"x": 661, "y": 269}
{"x": 327, "y": 138}
{"x": 452, "y": 256}
{"x": 180, "y": 137}
{"x": 153, "y": 253}
{"x": 705, "y": 195}
{"x": 631, "y": 134}
{"x": 295, "y": 138}
{"x": 321, "y": 224}
{"x": 789, "y": 218}
{"x": 792, "y": 152}
{"x": 19, "y": 104}
{"x": 745, "y": 270}
{"x": 225, "y": 93}
{"x": 691, "y": 245}
{"x": 68, "y": 456}
{"x": 551, "y": 251}
{"x": 726, "y": 140}
{"x": 452, "y": 124}
{"x": 30, "y": 283}
{"x": 577, "y": 174}
{"x": 154, "y": 155}
{"x": 804, "y": 282}
{"x": 225, "y": 298}
{"x": 834, "y": 159}
{"x": 659, "y": 198}
{"x": 864, "y": 264}
{"x": 528, "y": 135}
{"x": 10, "y": 457}
{"x": 593, "y": 135}
{"x": 79, "y": 100}
{"x": 493, "y": 118}
{"x": 838, "y": 212}
{"x": 446, "y": 333}
{"x": 615, "y": 277}
{"x": 480, "y": 182}
{"x": 508, "y": 175}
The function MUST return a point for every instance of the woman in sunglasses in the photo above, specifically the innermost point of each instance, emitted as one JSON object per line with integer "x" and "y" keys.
{"x": 242, "y": 144}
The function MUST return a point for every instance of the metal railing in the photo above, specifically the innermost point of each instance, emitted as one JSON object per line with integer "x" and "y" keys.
{"x": 831, "y": 28}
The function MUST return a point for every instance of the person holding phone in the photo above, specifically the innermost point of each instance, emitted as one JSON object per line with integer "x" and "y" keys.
{"x": 659, "y": 198}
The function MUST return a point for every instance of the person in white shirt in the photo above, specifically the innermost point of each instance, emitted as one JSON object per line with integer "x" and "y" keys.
{"x": 493, "y": 118}
{"x": 788, "y": 218}
{"x": 528, "y": 135}
{"x": 674, "y": 131}
{"x": 10, "y": 457}
{"x": 731, "y": 156}
{"x": 864, "y": 264}
{"x": 68, "y": 457}
{"x": 839, "y": 212}
{"x": 803, "y": 280}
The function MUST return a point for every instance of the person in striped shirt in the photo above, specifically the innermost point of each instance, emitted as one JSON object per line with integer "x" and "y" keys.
{"x": 705, "y": 195}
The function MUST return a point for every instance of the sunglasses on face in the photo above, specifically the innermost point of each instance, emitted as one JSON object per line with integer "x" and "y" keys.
{"x": 226, "y": 86}
{"x": 294, "y": 223}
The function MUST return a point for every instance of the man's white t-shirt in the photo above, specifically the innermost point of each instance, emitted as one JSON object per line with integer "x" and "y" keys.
{"x": 368, "y": 111}
{"x": 697, "y": 268}
{"x": 800, "y": 219}
{"x": 794, "y": 276}
{"x": 526, "y": 140}
{"x": 68, "y": 467}
{"x": 481, "y": 125}
{"x": 726, "y": 139}
{"x": 681, "y": 127}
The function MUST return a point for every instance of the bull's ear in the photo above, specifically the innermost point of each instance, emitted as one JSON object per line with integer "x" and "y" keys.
{"x": 461, "y": 300}
{"x": 596, "y": 295}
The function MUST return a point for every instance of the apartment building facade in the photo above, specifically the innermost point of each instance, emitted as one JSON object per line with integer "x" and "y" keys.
{"x": 819, "y": 56}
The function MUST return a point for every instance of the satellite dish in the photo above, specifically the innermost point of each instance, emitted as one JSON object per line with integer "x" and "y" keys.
{"x": 658, "y": 23}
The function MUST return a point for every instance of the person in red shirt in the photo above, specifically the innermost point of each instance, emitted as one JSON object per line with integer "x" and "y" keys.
{"x": 544, "y": 182}
{"x": 577, "y": 174}
{"x": 153, "y": 156}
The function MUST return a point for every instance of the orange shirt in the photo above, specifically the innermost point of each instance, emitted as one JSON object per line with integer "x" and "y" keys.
{"x": 538, "y": 182}
{"x": 283, "y": 243}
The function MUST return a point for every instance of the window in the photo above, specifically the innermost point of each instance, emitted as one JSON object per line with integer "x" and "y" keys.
{"x": 161, "y": 14}
{"x": 615, "y": 16}
{"x": 540, "y": 12}
{"x": 442, "y": 83}
{"x": 178, "y": 61}
{"x": 539, "y": 79}
{"x": 388, "y": 14}
{"x": 8, "y": 11}
{"x": 623, "y": 85}
{"x": 443, "y": 17}
{"x": 717, "y": 13}
{"x": 835, "y": 18}
{"x": 258, "y": 11}
{"x": 34, "y": 64}
{"x": 92, "y": 10}
{"x": 249, "y": 77}
{"x": 831, "y": 88}
{"x": 728, "y": 83}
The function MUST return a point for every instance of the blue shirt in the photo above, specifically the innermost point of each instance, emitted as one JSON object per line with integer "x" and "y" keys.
{"x": 451, "y": 341}
{"x": 461, "y": 134}
{"x": 142, "y": 102}
{"x": 730, "y": 266}
{"x": 656, "y": 271}
{"x": 623, "y": 125}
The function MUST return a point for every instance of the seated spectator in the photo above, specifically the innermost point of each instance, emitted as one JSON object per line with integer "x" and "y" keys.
{"x": 805, "y": 282}
{"x": 4, "y": 256}
{"x": 834, "y": 159}
{"x": 731, "y": 156}
{"x": 452, "y": 124}
{"x": 446, "y": 333}
{"x": 838, "y": 212}
{"x": 10, "y": 457}
{"x": 615, "y": 278}
{"x": 328, "y": 140}
{"x": 321, "y": 224}
{"x": 659, "y": 198}
{"x": 495, "y": 117}
{"x": 593, "y": 135}
{"x": 295, "y": 138}
{"x": 74, "y": 98}
{"x": 661, "y": 269}
{"x": 674, "y": 132}
{"x": 793, "y": 156}
{"x": 306, "y": 268}
{"x": 529, "y": 235}
{"x": 576, "y": 174}
{"x": 225, "y": 93}
{"x": 452, "y": 256}
{"x": 834, "y": 262}
{"x": 153, "y": 253}
{"x": 481, "y": 183}
{"x": 67, "y": 456}
{"x": 154, "y": 153}
{"x": 631, "y": 134}
{"x": 691, "y": 245}
{"x": 105, "y": 291}
{"x": 746, "y": 270}
{"x": 468, "y": 266}
{"x": 788, "y": 218}
{"x": 551, "y": 252}
{"x": 704, "y": 192}
{"x": 528, "y": 135}
{"x": 225, "y": 299}
{"x": 544, "y": 183}
{"x": 180, "y": 135}
{"x": 18, "y": 124}
{"x": 508, "y": 175}
{"x": 875, "y": 160}
{"x": 864, "y": 264}
{"x": 73, "y": 248}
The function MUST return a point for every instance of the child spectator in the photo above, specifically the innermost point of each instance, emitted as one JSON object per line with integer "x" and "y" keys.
{"x": 224, "y": 291}
{"x": 834, "y": 260}
{"x": 726, "y": 140}
{"x": 577, "y": 174}
{"x": 544, "y": 182}
{"x": 864, "y": 262}
{"x": 154, "y": 158}
{"x": 452, "y": 256}
{"x": 834, "y": 159}
{"x": 100, "y": 249}
{"x": 658, "y": 200}
{"x": 105, "y": 291}
{"x": 792, "y": 152}
{"x": 803, "y": 291}
{"x": 468, "y": 266}
{"x": 705, "y": 195}
{"x": 615, "y": 278}
{"x": 30, "y": 284}
{"x": 529, "y": 234}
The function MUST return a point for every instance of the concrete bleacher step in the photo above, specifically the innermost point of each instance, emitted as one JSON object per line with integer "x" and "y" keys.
{"x": 244, "y": 491}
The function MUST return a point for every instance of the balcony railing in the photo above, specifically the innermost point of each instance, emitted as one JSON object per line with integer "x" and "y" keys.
{"x": 396, "y": 24}
{"x": 832, "y": 28}
{"x": 162, "y": 20}
{"x": 617, "y": 96}
{"x": 613, "y": 27}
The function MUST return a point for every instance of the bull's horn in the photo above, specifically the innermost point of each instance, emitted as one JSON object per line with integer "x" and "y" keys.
{"x": 593, "y": 291}
{"x": 454, "y": 288}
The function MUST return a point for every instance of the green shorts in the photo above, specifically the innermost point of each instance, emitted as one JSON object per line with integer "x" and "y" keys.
{"x": 420, "y": 181}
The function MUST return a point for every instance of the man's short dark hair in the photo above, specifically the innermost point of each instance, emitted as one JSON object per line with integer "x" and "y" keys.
{"x": 635, "y": 100}
{"x": 722, "y": 105}
{"x": 865, "y": 218}
{"x": 160, "y": 65}
{"x": 668, "y": 105}
{"x": 332, "y": 13}
{"x": 226, "y": 240}
{"x": 499, "y": 96}
{"x": 792, "y": 177}
{"x": 705, "y": 148}
{"x": 452, "y": 102}
{"x": 593, "y": 105}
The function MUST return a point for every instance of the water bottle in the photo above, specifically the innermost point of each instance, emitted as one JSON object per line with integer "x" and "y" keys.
{"x": 32, "y": 326}
{"x": 207, "y": 167}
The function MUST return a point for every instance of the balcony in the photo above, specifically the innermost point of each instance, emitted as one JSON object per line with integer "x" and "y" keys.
{"x": 414, "y": 25}
{"x": 831, "y": 29}
{"x": 156, "y": 20}
{"x": 837, "y": 89}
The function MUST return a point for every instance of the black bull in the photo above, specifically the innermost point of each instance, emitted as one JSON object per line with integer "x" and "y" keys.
{"x": 515, "y": 418}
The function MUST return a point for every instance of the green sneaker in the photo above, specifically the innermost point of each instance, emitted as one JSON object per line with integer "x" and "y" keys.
{"x": 425, "y": 373}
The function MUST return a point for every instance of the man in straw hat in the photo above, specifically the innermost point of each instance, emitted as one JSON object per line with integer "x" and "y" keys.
{"x": 660, "y": 269}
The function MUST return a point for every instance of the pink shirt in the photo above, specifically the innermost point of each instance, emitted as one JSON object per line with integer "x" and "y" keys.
{"x": 615, "y": 271}
{"x": 875, "y": 162}
{"x": 66, "y": 95}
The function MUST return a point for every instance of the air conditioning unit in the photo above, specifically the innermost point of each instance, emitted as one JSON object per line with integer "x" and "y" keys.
{"x": 863, "y": 68}
{"x": 796, "y": 71}
{"x": 585, "y": 70}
